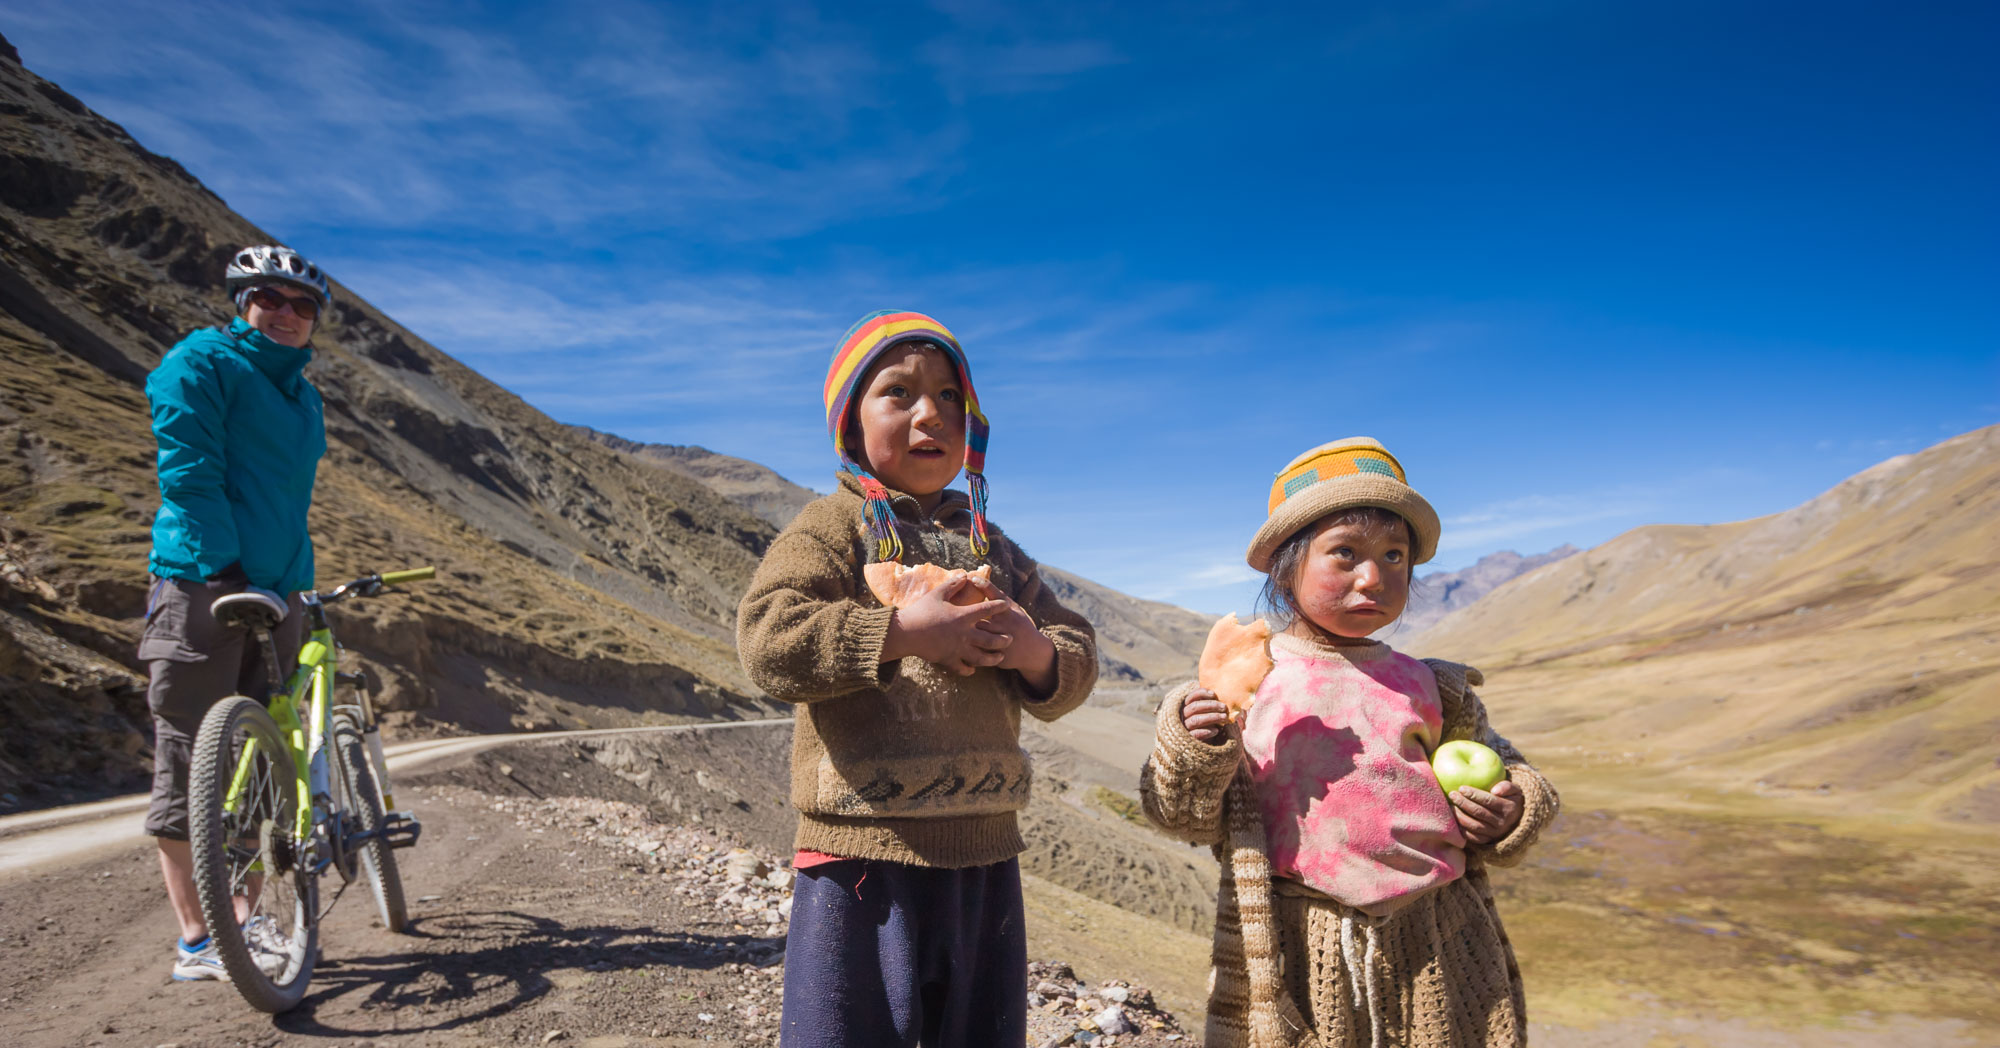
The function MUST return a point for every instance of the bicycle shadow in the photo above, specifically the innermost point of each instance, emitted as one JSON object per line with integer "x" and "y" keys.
{"x": 416, "y": 983}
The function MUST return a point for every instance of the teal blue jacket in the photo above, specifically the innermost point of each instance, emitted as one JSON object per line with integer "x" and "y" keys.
{"x": 241, "y": 433}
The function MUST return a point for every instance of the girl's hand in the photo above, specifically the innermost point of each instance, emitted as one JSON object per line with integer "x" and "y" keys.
{"x": 934, "y": 629}
{"x": 1487, "y": 816}
{"x": 1204, "y": 715}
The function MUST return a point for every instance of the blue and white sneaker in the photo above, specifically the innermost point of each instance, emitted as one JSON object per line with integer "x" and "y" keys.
{"x": 269, "y": 947}
{"x": 197, "y": 961}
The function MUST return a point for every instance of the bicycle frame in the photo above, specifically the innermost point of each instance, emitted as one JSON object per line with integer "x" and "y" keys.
{"x": 311, "y": 684}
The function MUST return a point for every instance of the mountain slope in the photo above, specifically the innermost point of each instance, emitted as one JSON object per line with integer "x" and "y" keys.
{"x": 1844, "y": 654}
{"x": 575, "y": 585}
{"x": 1442, "y": 592}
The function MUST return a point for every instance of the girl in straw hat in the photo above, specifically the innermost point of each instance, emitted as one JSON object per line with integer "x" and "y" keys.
{"x": 1354, "y": 907}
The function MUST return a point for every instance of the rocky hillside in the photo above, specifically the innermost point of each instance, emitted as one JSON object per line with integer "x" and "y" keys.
{"x": 583, "y": 580}
{"x": 1442, "y": 592}
{"x": 1844, "y": 654}
{"x": 576, "y": 585}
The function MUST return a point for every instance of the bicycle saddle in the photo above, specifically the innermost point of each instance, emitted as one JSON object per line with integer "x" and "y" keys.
{"x": 251, "y": 608}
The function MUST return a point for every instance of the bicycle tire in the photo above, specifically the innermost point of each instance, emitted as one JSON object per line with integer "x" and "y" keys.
{"x": 220, "y": 868}
{"x": 364, "y": 802}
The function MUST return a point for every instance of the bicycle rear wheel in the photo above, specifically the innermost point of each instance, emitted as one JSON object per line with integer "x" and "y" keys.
{"x": 256, "y": 891}
{"x": 364, "y": 802}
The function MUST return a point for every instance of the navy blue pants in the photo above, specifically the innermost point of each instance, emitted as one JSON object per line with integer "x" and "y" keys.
{"x": 893, "y": 955}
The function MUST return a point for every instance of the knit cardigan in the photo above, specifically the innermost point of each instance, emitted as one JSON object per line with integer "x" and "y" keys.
{"x": 1293, "y": 968}
{"x": 902, "y": 761}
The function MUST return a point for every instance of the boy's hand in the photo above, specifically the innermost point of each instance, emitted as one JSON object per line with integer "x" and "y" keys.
{"x": 1031, "y": 653}
{"x": 1487, "y": 816}
{"x": 934, "y": 629}
{"x": 1204, "y": 715}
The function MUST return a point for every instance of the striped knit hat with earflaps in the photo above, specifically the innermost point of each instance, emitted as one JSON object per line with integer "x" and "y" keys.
{"x": 867, "y": 340}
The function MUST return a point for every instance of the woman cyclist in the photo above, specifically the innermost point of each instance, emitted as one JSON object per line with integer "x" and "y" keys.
{"x": 240, "y": 436}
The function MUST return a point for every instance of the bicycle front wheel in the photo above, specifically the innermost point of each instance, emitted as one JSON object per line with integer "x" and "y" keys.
{"x": 256, "y": 888}
{"x": 364, "y": 802}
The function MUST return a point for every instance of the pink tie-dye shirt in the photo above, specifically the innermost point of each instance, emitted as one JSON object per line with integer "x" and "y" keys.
{"x": 1338, "y": 742}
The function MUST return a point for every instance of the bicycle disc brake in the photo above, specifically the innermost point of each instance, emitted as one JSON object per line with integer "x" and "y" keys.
{"x": 346, "y": 857}
{"x": 276, "y": 849}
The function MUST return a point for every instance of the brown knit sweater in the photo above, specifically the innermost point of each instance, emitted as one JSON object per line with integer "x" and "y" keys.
{"x": 1296, "y": 969}
{"x": 902, "y": 761}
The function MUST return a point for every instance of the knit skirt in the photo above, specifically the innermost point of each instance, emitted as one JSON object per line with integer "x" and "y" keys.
{"x": 1438, "y": 973}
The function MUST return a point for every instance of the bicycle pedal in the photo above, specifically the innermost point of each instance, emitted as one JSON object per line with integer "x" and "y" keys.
{"x": 400, "y": 829}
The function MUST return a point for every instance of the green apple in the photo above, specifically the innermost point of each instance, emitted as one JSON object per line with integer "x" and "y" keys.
{"x": 1467, "y": 763}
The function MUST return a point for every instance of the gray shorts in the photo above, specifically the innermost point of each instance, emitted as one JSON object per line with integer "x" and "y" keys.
{"x": 194, "y": 663}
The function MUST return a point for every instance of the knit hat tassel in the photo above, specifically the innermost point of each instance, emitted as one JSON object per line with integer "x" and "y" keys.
{"x": 975, "y": 484}
{"x": 881, "y": 519}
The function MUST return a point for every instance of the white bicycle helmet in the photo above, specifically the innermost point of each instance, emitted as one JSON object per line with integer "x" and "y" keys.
{"x": 267, "y": 262}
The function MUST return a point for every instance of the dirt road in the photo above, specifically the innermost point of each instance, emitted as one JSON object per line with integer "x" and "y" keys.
{"x": 519, "y": 932}
{"x": 60, "y": 835}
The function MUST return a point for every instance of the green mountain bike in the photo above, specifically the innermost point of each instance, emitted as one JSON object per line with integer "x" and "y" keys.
{"x": 280, "y": 792}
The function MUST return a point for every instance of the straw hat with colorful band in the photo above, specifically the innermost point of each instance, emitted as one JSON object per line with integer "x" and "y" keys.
{"x": 863, "y": 343}
{"x": 1357, "y": 471}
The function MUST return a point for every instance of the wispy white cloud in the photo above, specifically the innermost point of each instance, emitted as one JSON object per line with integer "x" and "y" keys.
{"x": 975, "y": 67}
{"x": 739, "y": 126}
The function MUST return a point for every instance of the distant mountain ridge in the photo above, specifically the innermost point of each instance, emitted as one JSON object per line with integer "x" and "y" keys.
{"x": 1138, "y": 640}
{"x": 1442, "y": 592}
{"x": 757, "y": 488}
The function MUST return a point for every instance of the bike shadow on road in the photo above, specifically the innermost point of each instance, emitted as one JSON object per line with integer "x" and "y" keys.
{"x": 490, "y": 963}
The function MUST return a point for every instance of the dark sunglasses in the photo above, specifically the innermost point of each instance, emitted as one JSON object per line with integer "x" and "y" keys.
{"x": 272, "y": 300}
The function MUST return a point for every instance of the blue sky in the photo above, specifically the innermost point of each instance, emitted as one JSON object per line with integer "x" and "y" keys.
{"x": 1582, "y": 266}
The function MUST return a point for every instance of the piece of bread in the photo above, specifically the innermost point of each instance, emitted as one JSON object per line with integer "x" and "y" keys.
{"x": 896, "y": 586}
{"x": 1234, "y": 662}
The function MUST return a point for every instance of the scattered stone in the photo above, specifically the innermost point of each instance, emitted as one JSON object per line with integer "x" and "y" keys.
{"x": 1064, "y": 1010}
{"x": 744, "y": 863}
{"x": 553, "y": 1036}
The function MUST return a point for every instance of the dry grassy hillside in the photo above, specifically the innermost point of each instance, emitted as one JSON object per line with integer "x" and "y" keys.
{"x": 576, "y": 586}
{"x": 1842, "y": 656}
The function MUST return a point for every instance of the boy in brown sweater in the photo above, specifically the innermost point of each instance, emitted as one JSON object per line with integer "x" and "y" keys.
{"x": 907, "y": 769}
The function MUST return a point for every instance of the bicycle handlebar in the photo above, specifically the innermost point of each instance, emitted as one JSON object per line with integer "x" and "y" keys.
{"x": 373, "y": 585}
